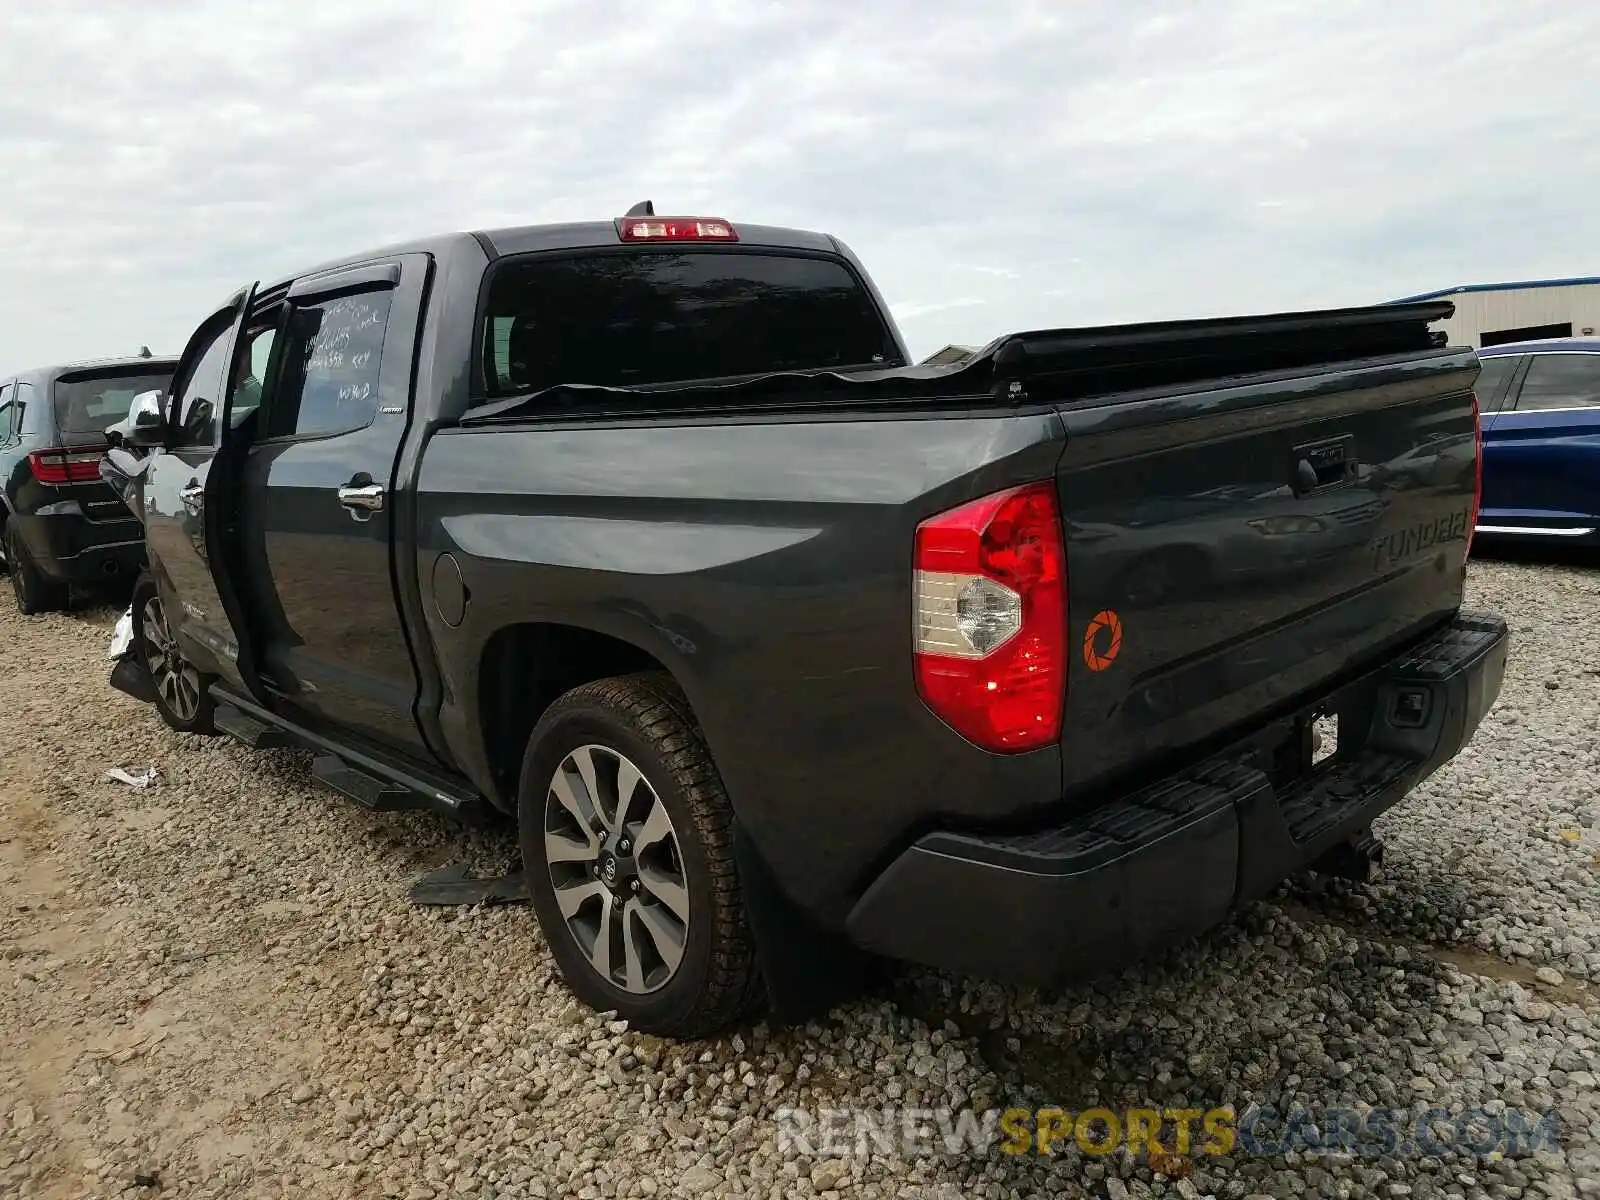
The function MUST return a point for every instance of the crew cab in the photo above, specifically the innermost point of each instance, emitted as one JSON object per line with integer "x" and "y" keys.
{"x": 648, "y": 533}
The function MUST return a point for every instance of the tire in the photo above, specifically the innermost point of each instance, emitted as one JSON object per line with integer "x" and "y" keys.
{"x": 183, "y": 692}
{"x": 33, "y": 592}
{"x": 618, "y": 884}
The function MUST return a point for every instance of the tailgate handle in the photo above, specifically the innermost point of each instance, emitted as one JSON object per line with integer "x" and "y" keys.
{"x": 1325, "y": 464}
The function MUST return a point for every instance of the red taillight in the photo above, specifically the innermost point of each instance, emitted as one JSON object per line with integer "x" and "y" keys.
{"x": 676, "y": 229}
{"x": 991, "y": 617}
{"x": 66, "y": 466}
{"x": 1477, "y": 473}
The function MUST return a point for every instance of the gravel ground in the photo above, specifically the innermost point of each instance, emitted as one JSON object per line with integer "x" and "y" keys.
{"x": 213, "y": 987}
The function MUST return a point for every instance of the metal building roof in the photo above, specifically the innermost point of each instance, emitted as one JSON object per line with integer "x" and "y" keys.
{"x": 1576, "y": 281}
{"x": 1572, "y": 345}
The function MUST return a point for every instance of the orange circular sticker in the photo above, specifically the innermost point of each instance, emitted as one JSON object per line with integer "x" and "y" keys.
{"x": 1096, "y": 659}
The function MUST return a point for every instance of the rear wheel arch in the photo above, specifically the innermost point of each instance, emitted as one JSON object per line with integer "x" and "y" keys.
{"x": 526, "y": 667}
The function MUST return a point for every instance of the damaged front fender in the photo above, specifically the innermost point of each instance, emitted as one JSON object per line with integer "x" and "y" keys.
{"x": 129, "y": 675}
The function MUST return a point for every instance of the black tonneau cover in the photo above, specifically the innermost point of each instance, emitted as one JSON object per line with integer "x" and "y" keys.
{"x": 1050, "y": 365}
{"x": 1064, "y": 364}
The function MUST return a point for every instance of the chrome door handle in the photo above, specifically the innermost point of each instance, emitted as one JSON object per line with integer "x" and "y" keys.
{"x": 362, "y": 500}
{"x": 193, "y": 497}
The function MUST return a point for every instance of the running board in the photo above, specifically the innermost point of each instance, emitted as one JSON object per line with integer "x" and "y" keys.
{"x": 370, "y": 792}
{"x": 374, "y": 784}
{"x": 246, "y": 729}
{"x": 1532, "y": 531}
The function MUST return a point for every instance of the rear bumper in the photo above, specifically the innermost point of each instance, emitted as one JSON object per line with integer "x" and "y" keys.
{"x": 1173, "y": 858}
{"x": 69, "y": 548}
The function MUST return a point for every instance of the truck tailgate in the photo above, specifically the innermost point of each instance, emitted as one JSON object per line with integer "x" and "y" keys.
{"x": 1232, "y": 549}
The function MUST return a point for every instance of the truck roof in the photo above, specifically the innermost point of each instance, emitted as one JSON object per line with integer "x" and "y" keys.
{"x": 572, "y": 235}
{"x": 526, "y": 239}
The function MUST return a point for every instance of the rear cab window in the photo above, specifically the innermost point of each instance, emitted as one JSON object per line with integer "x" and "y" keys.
{"x": 638, "y": 318}
{"x": 85, "y": 402}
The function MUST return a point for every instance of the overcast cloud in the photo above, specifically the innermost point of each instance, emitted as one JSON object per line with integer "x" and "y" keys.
{"x": 997, "y": 166}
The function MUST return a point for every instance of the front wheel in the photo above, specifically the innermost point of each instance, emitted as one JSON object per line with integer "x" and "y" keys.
{"x": 182, "y": 691}
{"x": 627, "y": 845}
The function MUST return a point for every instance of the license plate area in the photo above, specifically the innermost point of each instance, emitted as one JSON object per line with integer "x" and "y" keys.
{"x": 1311, "y": 744}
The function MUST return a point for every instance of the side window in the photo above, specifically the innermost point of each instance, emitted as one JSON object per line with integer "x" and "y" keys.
{"x": 197, "y": 398}
{"x": 251, "y": 374}
{"x": 1492, "y": 379}
{"x": 27, "y": 411}
{"x": 328, "y": 380}
{"x": 8, "y": 413}
{"x": 1561, "y": 381}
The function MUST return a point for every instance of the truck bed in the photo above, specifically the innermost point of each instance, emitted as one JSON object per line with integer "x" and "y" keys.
{"x": 754, "y": 537}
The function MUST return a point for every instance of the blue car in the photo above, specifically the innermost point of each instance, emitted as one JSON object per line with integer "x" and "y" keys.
{"x": 1541, "y": 441}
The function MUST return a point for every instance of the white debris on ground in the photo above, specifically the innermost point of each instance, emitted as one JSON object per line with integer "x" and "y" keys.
{"x": 134, "y": 779}
{"x": 214, "y": 988}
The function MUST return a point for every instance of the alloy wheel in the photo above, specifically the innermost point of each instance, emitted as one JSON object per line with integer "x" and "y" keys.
{"x": 175, "y": 680}
{"x": 617, "y": 869}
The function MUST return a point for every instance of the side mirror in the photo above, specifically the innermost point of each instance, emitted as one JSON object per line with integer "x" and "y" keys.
{"x": 146, "y": 425}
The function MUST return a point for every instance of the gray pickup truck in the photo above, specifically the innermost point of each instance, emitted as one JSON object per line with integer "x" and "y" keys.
{"x": 647, "y": 533}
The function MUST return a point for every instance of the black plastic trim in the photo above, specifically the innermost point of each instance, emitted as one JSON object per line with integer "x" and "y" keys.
{"x": 1171, "y": 859}
{"x": 441, "y": 797}
{"x": 131, "y": 679}
{"x": 357, "y": 279}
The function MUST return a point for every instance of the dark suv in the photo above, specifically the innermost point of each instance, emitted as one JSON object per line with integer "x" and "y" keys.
{"x": 59, "y": 524}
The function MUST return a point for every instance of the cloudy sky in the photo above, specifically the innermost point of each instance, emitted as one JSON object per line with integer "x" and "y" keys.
{"x": 997, "y": 166}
